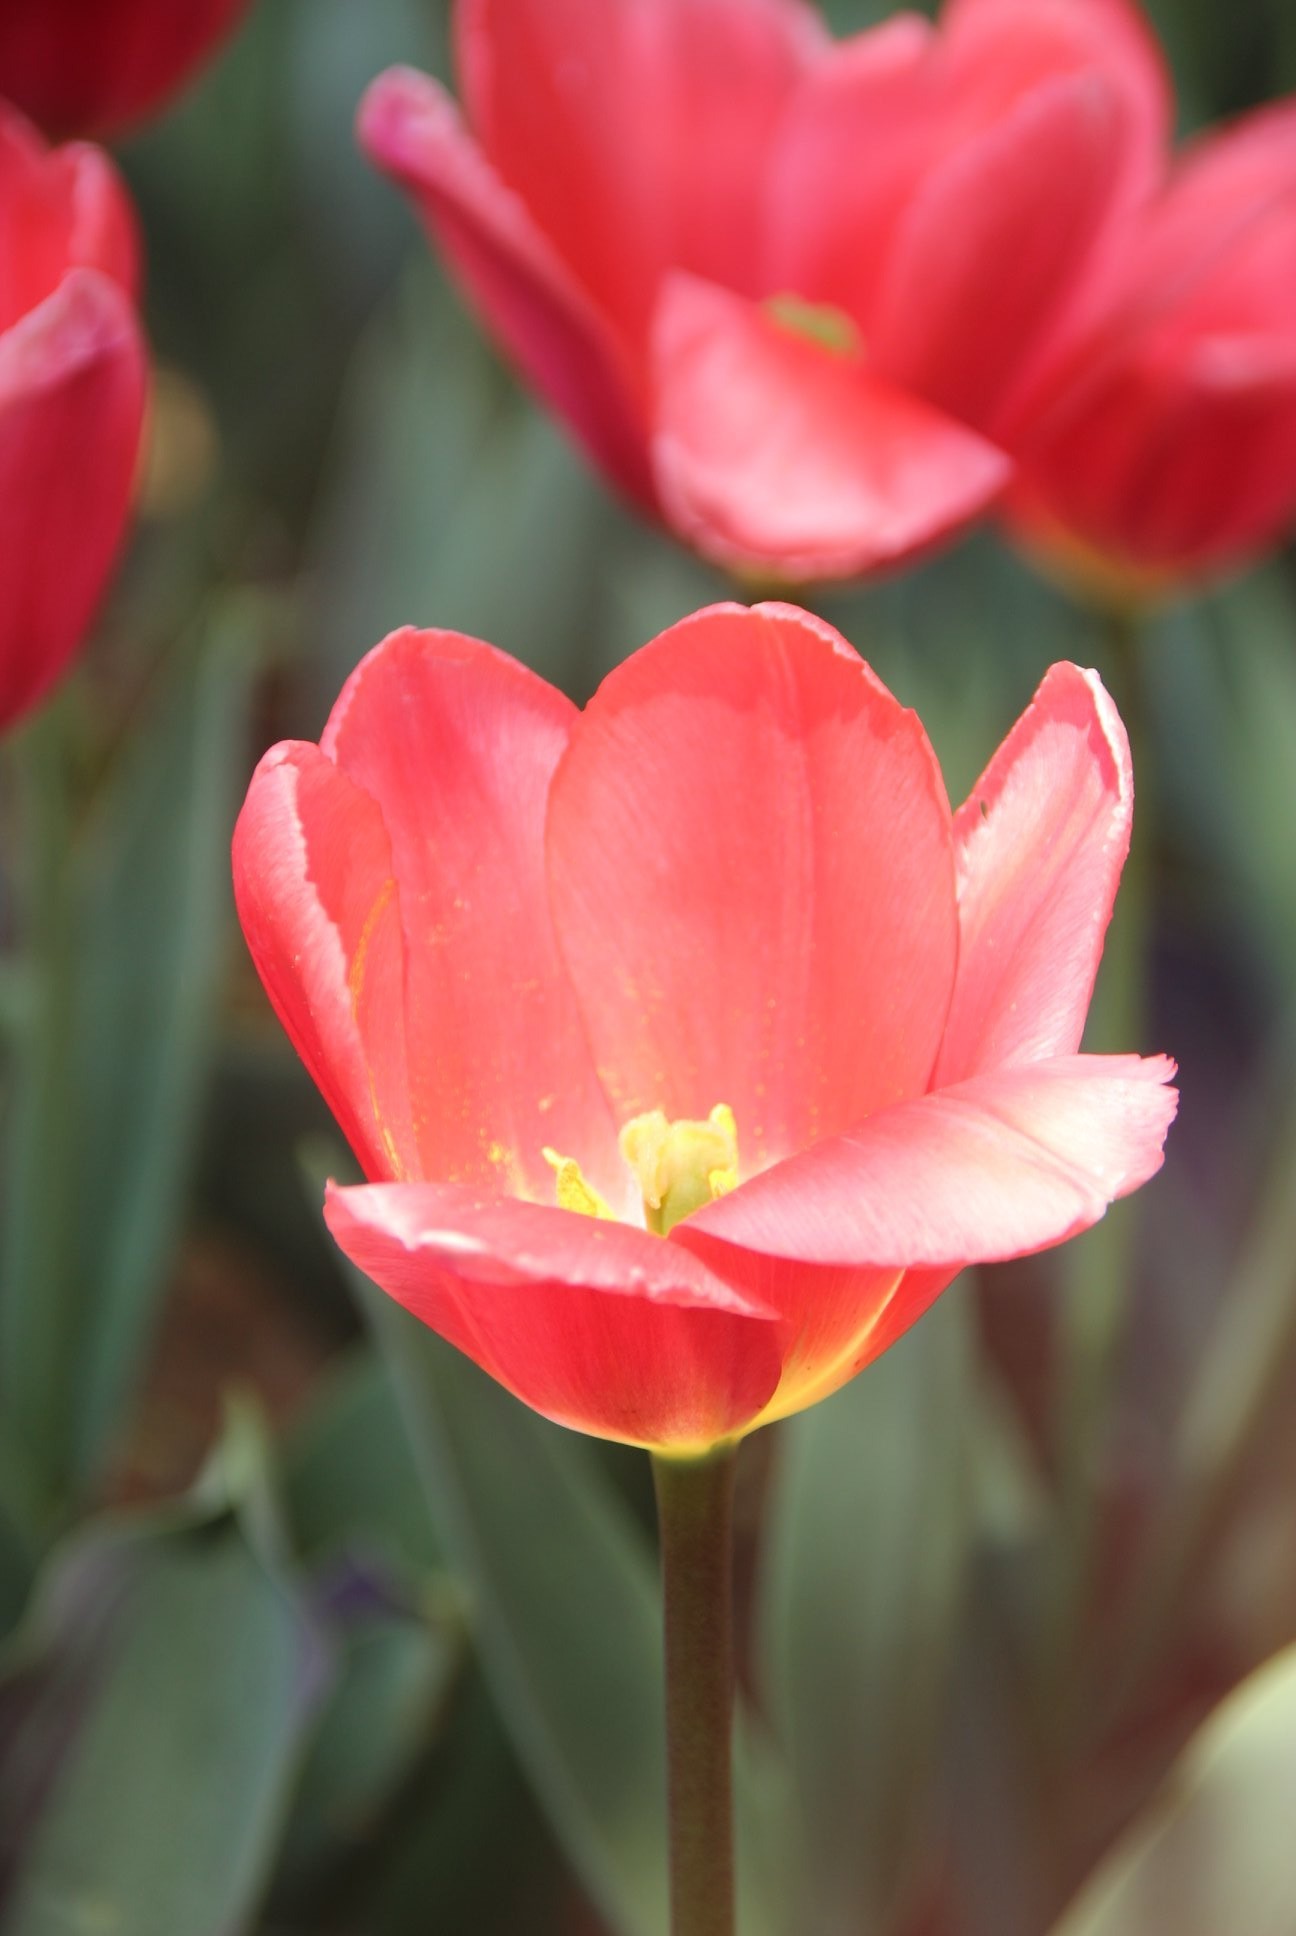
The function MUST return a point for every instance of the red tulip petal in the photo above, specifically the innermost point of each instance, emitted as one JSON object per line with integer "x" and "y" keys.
{"x": 637, "y": 131}
{"x": 457, "y": 743}
{"x": 1009, "y": 1162}
{"x": 320, "y": 909}
{"x": 774, "y": 454}
{"x": 72, "y": 381}
{"x": 1001, "y": 48}
{"x": 1176, "y": 463}
{"x": 60, "y": 209}
{"x": 991, "y": 263}
{"x": 828, "y": 219}
{"x": 751, "y": 876}
{"x": 411, "y": 130}
{"x": 95, "y": 69}
{"x": 597, "y": 1325}
{"x": 1040, "y": 844}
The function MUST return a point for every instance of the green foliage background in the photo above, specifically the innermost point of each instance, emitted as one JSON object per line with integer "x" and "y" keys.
{"x": 308, "y": 1629}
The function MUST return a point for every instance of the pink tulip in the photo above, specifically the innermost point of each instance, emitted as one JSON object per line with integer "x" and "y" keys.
{"x": 689, "y": 1044}
{"x": 72, "y": 384}
{"x": 97, "y": 66}
{"x": 1167, "y": 448}
{"x": 789, "y": 294}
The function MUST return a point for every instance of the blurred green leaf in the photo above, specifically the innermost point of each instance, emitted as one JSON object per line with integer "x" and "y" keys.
{"x": 349, "y": 1476}
{"x": 1242, "y": 1375}
{"x": 394, "y": 1672}
{"x": 1223, "y": 681}
{"x": 157, "y": 908}
{"x": 868, "y": 1538}
{"x": 1215, "y": 1853}
{"x": 453, "y": 501}
{"x": 110, "y": 1083}
{"x": 156, "y": 1709}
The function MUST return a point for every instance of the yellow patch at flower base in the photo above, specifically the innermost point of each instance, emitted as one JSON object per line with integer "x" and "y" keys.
{"x": 679, "y": 1166}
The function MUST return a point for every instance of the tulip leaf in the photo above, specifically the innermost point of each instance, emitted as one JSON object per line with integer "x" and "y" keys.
{"x": 867, "y": 1539}
{"x": 1215, "y": 1852}
{"x": 394, "y": 1673}
{"x": 109, "y": 1083}
{"x": 437, "y": 482}
{"x": 158, "y": 1702}
{"x": 349, "y": 1477}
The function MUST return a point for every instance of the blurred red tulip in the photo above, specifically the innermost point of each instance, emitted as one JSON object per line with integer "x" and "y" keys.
{"x": 689, "y": 1044}
{"x": 1167, "y": 449}
{"x": 97, "y": 66}
{"x": 788, "y": 293}
{"x": 72, "y": 389}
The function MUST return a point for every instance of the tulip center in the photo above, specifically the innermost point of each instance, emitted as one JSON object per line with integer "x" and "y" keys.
{"x": 832, "y": 329}
{"x": 679, "y": 1167}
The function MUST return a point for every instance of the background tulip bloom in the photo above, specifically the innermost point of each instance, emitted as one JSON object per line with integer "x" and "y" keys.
{"x": 689, "y": 1044}
{"x": 1168, "y": 450}
{"x": 788, "y": 293}
{"x": 97, "y": 66}
{"x": 72, "y": 388}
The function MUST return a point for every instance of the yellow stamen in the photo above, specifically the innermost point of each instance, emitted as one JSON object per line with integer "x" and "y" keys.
{"x": 683, "y": 1165}
{"x": 574, "y": 1193}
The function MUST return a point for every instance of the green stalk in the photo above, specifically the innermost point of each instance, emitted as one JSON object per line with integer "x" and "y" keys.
{"x": 695, "y": 1514}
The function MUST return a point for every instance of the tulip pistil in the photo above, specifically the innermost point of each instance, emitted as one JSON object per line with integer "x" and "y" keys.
{"x": 679, "y": 1167}
{"x": 683, "y": 1165}
{"x": 832, "y": 329}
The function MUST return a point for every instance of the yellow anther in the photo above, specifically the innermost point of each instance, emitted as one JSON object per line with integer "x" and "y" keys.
{"x": 574, "y": 1193}
{"x": 682, "y": 1165}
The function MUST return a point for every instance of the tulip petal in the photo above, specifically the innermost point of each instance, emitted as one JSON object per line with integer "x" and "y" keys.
{"x": 96, "y": 69}
{"x": 999, "y": 48}
{"x": 828, "y": 220}
{"x": 598, "y": 1325}
{"x": 637, "y": 131}
{"x": 993, "y": 260}
{"x": 72, "y": 381}
{"x": 319, "y": 907}
{"x": 456, "y": 743}
{"x": 751, "y": 876}
{"x": 411, "y": 129}
{"x": 1010, "y": 1162}
{"x": 1040, "y": 844}
{"x": 775, "y": 454}
{"x": 59, "y": 209}
{"x": 1178, "y": 461}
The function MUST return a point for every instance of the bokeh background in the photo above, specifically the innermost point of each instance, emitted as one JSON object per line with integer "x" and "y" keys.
{"x": 305, "y": 1628}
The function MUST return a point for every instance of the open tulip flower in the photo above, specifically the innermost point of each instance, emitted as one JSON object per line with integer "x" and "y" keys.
{"x": 1167, "y": 450}
{"x": 97, "y": 66}
{"x": 689, "y": 1044}
{"x": 72, "y": 387}
{"x": 792, "y": 295}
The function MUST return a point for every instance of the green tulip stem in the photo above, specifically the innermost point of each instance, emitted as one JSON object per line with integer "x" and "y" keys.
{"x": 695, "y": 1514}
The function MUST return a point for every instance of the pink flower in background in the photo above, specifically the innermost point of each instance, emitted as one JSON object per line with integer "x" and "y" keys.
{"x": 72, "y": 390}
{"x": 689, "y": 1044}
{"x": 97, "y": 66}
{"x": 1167, "y": 448}
{"x": 792, "y": 295}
